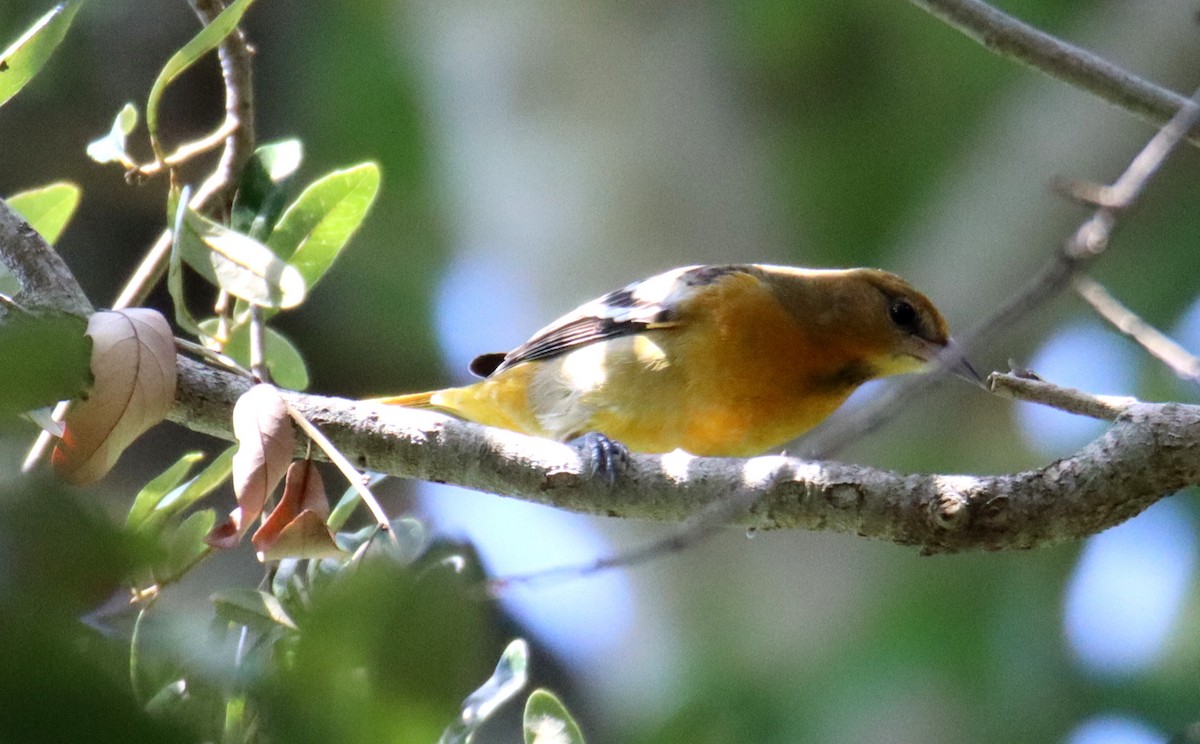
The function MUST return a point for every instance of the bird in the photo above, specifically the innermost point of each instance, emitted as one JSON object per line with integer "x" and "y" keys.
{"x": 726, "y": 360}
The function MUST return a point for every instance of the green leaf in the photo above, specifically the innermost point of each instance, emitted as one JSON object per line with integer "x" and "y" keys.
{"x": 47, "y": 358}
{"x": 151, "y": 672}
{"x": 262, "y": 189}
{"x": 289, "y": 585}
{"x": 47, "y": 209}
{"x": 162, "y": 484}
{"x": 182, "y": 497}
{"x": 25, "y": 56}
{"x": 548, "y": 722}
{"x": 238, "y": 263}
{"x": 176, "y": 209}
{"x": 111, "y": 147}
{"x": 349, "y": 502}
{"x": 410, "y": 540}
{"x": 282, "y": 358}
{"x": 316, "y": 226}
{"x": 209, "y": 38}
{"x": 237, "y": 727}
{"x": 510, "y": 676}
{"x": 252, "y": 608}
{"x": 185, "y": 544}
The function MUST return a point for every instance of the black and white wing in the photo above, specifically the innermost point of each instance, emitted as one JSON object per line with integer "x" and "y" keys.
{"x": 641, "y": 306}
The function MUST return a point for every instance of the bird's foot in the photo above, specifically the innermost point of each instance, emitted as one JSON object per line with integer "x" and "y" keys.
{"x": 607, "y": 458}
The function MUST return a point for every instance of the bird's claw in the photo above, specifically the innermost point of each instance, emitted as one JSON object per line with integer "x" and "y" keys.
{"x": 607, "y": 458}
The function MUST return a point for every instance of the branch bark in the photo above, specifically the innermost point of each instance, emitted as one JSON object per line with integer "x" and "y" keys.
{"x": 1152, "y": 450}
{"x": 44, "y": 278}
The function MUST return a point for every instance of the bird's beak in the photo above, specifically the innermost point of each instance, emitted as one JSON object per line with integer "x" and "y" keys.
{"x": 956, "y": 361}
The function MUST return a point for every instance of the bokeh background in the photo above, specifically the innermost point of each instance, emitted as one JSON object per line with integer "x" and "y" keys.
{"x": 538, "y": 154}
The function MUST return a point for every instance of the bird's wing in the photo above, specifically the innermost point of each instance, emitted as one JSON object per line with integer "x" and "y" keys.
{"x": 644, "y": 305}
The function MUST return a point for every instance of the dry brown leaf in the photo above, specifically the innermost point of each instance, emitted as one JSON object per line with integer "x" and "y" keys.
{"x": 303, "y": 489}
{"x": 306, "y": 536}
{"x": 227, "y": 534}
{"x": 133, "y": 363}
{"x": 266, "y": 440}
{"x": 296, "y": 528}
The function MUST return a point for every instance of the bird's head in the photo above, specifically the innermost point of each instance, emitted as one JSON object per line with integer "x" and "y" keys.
{"x": 873, "y": 318}
{"x": 900, "y": 328}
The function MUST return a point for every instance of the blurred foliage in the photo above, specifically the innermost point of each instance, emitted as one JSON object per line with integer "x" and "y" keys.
{"x": 840, "y": 84}
{"x": 59, "y": 559}
{"x": 383, "y": 651}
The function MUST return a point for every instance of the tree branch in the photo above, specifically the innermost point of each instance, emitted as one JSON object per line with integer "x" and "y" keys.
{"x": 1162, "y": 347}
{"x": 1014, "y": 39}
{"x": 44, "y": 278}
{"x": 235, "y": 56}
{"x": 1024, "y": 387}
{"x": 1151, "y": 451}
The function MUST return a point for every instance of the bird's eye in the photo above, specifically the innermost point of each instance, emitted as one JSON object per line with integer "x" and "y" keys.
{"x": 903, "y": 314}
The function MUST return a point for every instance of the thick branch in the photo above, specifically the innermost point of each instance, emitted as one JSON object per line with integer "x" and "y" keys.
{"x": 1017, "y": 40}
{"x": 1150, "y": 452}
{"x": 45, "y": 280}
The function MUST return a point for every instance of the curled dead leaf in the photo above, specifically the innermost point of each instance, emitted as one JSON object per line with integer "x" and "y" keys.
{"x": 133, "y": 365}
{"x": 266, "y": 441}
{"x": 226, "y": 535}
{"x": 296, "y": 527}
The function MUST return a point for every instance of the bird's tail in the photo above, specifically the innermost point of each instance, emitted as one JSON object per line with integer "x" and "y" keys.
{"x": 412, "y": 400}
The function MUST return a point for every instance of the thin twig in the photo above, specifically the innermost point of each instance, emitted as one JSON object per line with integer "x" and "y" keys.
{"x": 1021, "y": 387}
{"x": 212, "y": 356}
{"x": 694, "y": 531}
{"x": 1183, "y": 363}
{"x": 258, "y": 356}
{"x": 186, "y": 151}
{"x": 356, "y": 479}
{"x": 1088, "y": 241}
{"x": 1017, "y": 40}
{"x": 235, "y": 55}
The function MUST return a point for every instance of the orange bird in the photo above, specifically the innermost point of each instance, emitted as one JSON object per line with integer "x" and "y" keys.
{"x": 727, "y": 360}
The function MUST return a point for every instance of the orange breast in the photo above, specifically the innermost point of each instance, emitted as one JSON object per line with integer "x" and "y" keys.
{"x": 765, "y": 381}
